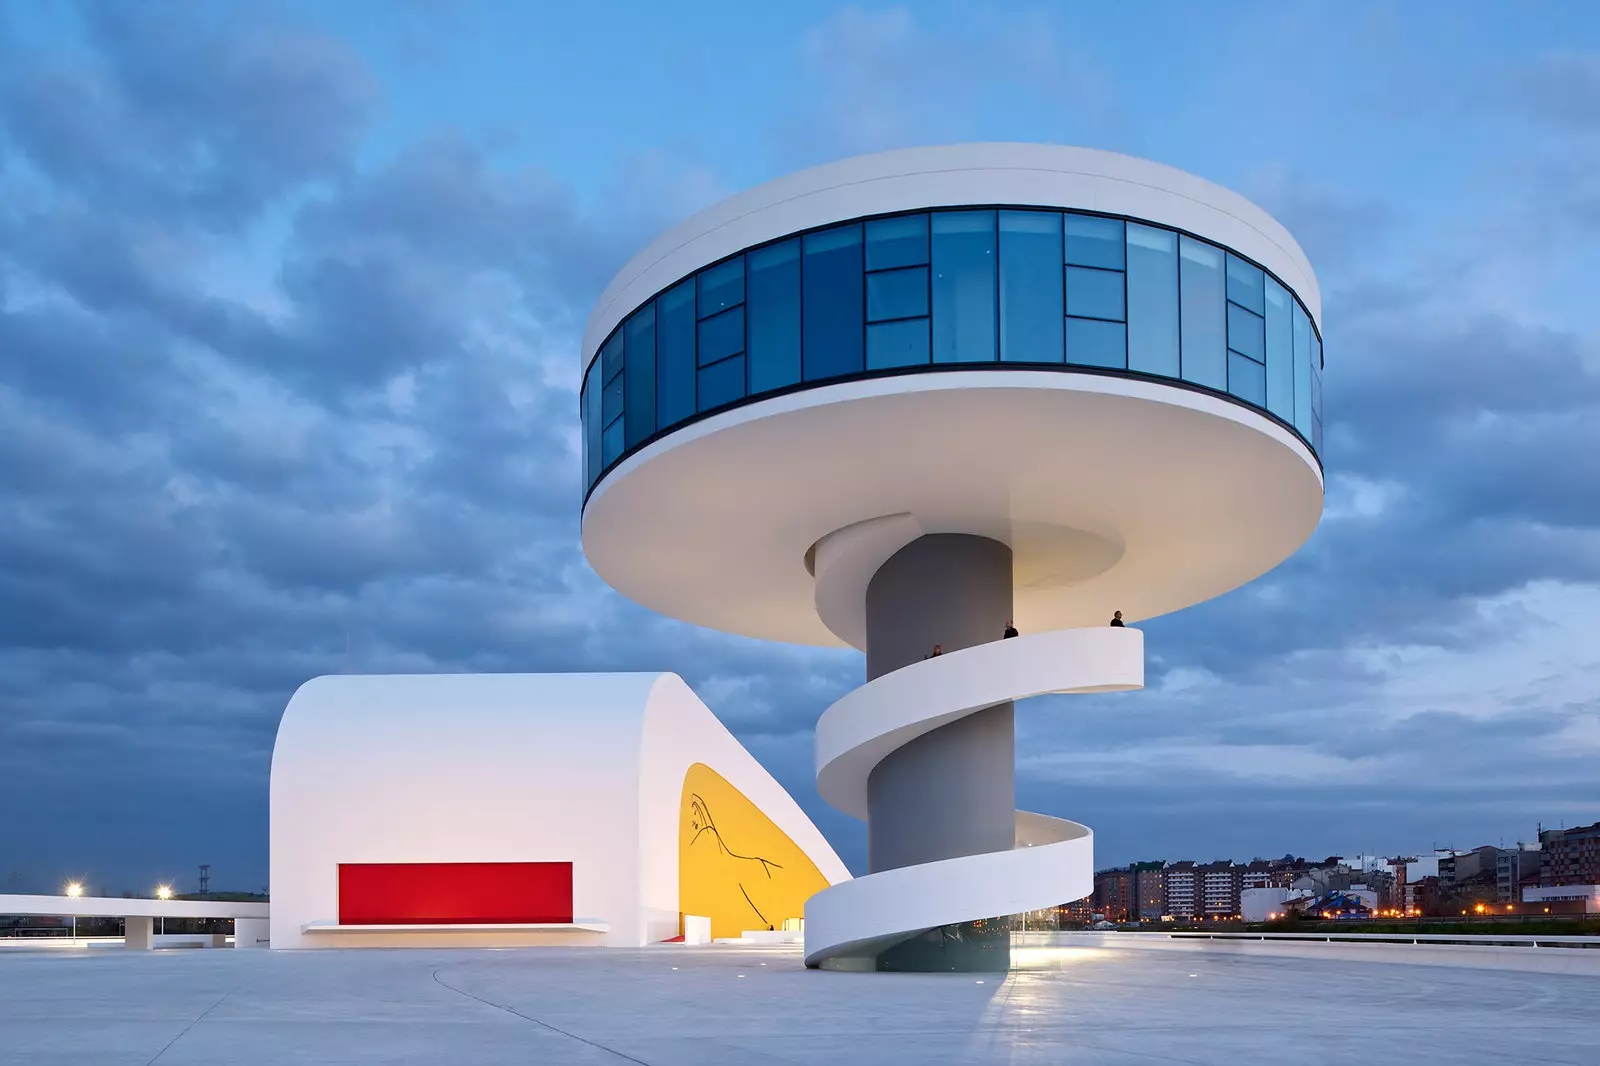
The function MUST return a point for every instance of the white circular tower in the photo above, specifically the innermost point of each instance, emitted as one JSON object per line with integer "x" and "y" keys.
{"x": 908, "y": 401}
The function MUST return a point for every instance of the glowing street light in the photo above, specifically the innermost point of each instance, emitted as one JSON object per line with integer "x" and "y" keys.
{"x": 163, "y": 892}
{"x": 74, "y": 890}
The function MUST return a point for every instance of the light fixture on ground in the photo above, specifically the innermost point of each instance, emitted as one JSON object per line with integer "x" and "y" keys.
{"x": 899, "y": 402}
{"x": 163, "y": 892}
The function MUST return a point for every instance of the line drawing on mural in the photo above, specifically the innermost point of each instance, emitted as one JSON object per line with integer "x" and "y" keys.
{"x": 701, "y": 822}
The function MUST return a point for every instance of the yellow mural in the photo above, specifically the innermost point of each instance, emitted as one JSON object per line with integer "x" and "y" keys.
{"x": 734, "y": 865}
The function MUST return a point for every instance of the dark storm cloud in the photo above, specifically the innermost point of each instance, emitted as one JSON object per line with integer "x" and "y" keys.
{"x": 1454, "y": 442}
{"x": 1459, "y": 445}
{"x": 186, "y": 110}
{"x": 1559, "y": 95}
{"x": 214, "y": 491}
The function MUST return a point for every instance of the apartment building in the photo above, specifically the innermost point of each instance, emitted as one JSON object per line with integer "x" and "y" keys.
{"x": 1220, "y": 883}
{"x": 1182, "y": 890}
{"x": 1515, "y": 868}
{"x": 1570, "y": 856}
{"x": 1113, "y": 894}
{"x": 1269, "y": 873}
{"x": 1149, "y": 890}
{"x": 1077, "y": 912}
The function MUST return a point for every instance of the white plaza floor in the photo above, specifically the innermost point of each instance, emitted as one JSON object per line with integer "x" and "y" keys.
{"x": 676, "y": 1006}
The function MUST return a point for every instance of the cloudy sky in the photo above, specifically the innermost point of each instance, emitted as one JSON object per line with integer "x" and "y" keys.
{"x": 290, "y": 301}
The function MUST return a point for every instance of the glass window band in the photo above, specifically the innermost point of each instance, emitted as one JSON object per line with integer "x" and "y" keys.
{"x": 946, "y": 289}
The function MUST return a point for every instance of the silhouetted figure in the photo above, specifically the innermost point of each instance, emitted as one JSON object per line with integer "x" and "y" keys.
{"x": 1116, "y": 620}
{"x": 937, "y": 650}
{"x": 1011, "y": 631}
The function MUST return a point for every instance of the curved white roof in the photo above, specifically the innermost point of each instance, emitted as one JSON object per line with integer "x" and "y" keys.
{"x": 446, "y": 768}
{"x": 1037, "y": 175}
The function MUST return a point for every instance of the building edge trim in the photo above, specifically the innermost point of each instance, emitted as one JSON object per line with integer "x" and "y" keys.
{"x": 738, "y": 407}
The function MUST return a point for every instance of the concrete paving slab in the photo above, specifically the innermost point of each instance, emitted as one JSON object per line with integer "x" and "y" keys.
{"x": 757, "y": 1006}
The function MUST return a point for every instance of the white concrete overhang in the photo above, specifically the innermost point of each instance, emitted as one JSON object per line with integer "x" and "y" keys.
{"x": 1114, "y": 493}
{"x": 955, "y": 175}
{"x": 118, "y": 907}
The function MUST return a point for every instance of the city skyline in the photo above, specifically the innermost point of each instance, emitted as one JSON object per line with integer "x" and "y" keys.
{"x": 1556, "y": 874}
{"x": 298, "y": 291}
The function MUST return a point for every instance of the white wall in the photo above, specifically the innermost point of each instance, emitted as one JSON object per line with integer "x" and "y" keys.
{"x": 251, "y": 932}
{"x": 1487, "y": 957}
{"x": 1257, "y": 904}
{"x": 1590, "y": 894}
{"x": 456, "y": 768}
{"x": 118, "y": 907}
{"x": 680, "y": 731}
{"x": 500, "y": 768}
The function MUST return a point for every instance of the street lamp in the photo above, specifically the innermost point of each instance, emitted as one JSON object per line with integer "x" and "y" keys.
{"x": 74, "y": 890}
{"x": 163, "y": 892}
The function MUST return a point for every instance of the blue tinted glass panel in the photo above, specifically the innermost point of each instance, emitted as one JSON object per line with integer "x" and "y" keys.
{"x": 964, "y": 324}
{"x": 592, "y": 424}
{"x": 1302, "y": 372}
{"x": 1244, "y": 284}
{"x": 639, "y": 336}
{"x": 1091, "y": 342}
{"x": 611, "y": 443}
{"x": 897, "y": 294}
{"x": 1094, "y": 242}
{"x": 1280, "y": 352}
{"x": 721, "y": 383}
{"x": 1204, "y": 325}
{"x": 722, "y": 287}
{"x": 897, "y": 242}
{"x": 832, "y": 304}
{"x": 675, "y": 331}
{"x": 1152, "y": 300}
{"x": 721, "y": 336}
{"x": 773, "y": 308}
{"x": 1316, "y": 379}
{"x": 903, "y": 343}
{"x": 1030, "y": 287}
{"x": 1247, "y": 379}
{"x": 1316, "y": 393}
{"x": 611, "y": 398}
{"x": 1094, "y": 293}
{"x": 611, "y": 357}
{"x": 1247, "y": 333}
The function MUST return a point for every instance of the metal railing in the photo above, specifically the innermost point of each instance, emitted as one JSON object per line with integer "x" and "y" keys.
{"x": 1466, "y": 939}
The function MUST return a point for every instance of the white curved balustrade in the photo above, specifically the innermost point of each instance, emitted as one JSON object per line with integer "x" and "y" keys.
{"x": 1052, "y": 860}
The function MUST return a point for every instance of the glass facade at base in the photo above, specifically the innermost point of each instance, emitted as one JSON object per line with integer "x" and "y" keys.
{"x": 982, "y": 946}
{"x": 957, "y": 288}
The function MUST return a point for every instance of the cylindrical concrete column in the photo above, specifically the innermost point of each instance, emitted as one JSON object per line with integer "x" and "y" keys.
{"x": 950, "y": 792}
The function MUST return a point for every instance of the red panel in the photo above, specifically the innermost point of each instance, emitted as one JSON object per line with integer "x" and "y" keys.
{"x": 454, "y": 893}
